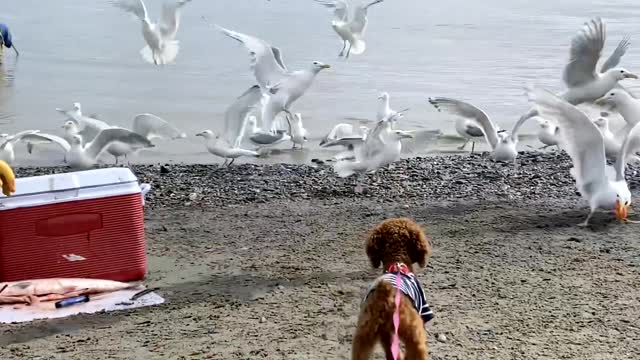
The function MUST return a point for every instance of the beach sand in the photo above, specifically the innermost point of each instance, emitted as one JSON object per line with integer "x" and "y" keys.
{"x": 274, "y": 266}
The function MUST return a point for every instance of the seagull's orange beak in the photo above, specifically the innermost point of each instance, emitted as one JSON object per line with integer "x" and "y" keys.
{"x": 621, "y": 210}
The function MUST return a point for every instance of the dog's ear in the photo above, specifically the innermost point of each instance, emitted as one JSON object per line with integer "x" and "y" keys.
{"x": 374, "y": 252}
{"x": 421, "y": 245}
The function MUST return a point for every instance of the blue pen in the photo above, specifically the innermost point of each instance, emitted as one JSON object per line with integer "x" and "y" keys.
{"x": 72, "y": 301}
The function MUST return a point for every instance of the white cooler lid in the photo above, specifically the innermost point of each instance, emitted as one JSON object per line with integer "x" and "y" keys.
{"x": 47, "y": 189}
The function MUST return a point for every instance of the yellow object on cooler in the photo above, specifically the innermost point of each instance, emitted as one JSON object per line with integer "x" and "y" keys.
{"x": 7, "y": 178}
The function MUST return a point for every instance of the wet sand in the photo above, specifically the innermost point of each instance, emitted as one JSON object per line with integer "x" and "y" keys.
{"x": 280, "y": 274}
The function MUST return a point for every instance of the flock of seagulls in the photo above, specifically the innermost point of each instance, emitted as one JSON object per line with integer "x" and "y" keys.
{"x": 85, "y": 138}
{"x": 263, "y": 116}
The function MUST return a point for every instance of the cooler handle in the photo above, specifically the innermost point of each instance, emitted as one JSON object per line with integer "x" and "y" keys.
{"x": 144, "y": 189}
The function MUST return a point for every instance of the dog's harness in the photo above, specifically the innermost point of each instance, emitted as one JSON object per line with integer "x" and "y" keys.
{"x": 408, "y": 284}
{"x": 399, "y": 276}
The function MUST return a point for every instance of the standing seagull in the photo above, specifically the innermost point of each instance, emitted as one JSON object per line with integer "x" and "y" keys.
{"x": 162, "y": 46}
{"x": 280, "y": 86}
{"x": 584, "y": 82}
{"x": 221, "y": 148}
{"x": 6, "y": 39}
{"x": 548, "y": 134}
{"x": 298, "y": 132}
{"x": 611, "y": 144}
{"x": 385, "y": 111}
{"x": 84, "y": 156}
{"x": 351, "y": 31}
{"x": 622, "y": 102}
{"x": 604, "y": 187}
{"x": 502, "y": 144}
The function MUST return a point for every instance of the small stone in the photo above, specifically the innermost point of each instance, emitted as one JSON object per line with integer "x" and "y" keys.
{"x": 441, "y": 338}
{"x": 193, "y": 196}
{"x": 280, "y": 287}
{"x": 574, "y": 239}
{"x": 164, "y": 170}
{"x": 263, "y": 319}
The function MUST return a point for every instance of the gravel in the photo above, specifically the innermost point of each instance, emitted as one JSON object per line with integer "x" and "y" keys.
{"x": 443, "y": 178}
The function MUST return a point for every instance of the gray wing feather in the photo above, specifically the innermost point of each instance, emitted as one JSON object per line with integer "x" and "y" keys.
{"x": 18, "y": 137}
{"x": 42, "y": 137}
{"x": 266, "y": 63}
{"x": 474, "y": 130}
{"x": 346, "y": 141}
{"x": 170, "y": 20}
{"x": 468, "y": 111}
{"x": 520, "y": 122}
{"x": 340, "y": 8}
{"x": 108, "y": 136}
{"x": 152, "y": 126}
{"x": 135, "y": 7}
{"x": 359, "y": 21}
{"x": 586, "y": 48}
{"x": 236, "y": 113}
{"x": 581, "y": 138}
{"x": 617, "y": 54}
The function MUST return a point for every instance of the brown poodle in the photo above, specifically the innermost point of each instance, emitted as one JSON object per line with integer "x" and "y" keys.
{"x": 396, "y": 244}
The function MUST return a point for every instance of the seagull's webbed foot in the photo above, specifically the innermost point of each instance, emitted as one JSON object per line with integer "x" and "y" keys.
{"x": 586, "y": 222}
{"x": 348, "y": 52}
{"x": 344, "y": 47}
{"x": 628, "y": 221}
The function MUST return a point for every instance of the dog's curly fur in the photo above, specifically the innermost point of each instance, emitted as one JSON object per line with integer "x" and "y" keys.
{"x": 392, "y": 241}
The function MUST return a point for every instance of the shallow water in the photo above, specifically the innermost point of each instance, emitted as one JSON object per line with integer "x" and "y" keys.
{"x": 483, "y": 52}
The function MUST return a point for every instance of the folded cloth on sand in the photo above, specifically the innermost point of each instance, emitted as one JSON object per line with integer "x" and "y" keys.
{"x": 41, "y": 290}
{"x": 110, "y": 301}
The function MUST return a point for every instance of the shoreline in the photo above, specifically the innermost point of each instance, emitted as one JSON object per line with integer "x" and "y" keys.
{"x": 280, "y": 273}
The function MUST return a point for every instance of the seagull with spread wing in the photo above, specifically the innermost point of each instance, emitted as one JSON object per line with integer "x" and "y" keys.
{"x": 84, "y": 156}
{"x": 503, "y": 145}
{"x": 162, "y": 47}
{"x": 227, "y": 145}
{"x": 7, "y": 141}
{"x": 585, "y": 83}
{"x": 603, "y": 186}
{"x": 351, "y": 30}
{"x": 236, "y": 116}
{"x": 382, "y": 147}
{"x": 148, "y": 125}
{"x": 280, "y": 86}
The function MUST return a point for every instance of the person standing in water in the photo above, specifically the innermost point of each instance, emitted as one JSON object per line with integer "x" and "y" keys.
{"x": 5, "y": 39}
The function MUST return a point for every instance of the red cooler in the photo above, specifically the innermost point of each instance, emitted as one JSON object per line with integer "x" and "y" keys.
{"x": 86, "y": 224}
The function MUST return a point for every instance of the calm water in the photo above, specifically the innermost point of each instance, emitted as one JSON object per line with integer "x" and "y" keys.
{"x": 483, "y": 52}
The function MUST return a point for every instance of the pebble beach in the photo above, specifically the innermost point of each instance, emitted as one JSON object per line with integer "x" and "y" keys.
{"x": 268, "y": 261}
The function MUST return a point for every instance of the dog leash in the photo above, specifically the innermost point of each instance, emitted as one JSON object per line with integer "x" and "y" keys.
{"x": 395, "y": 344}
